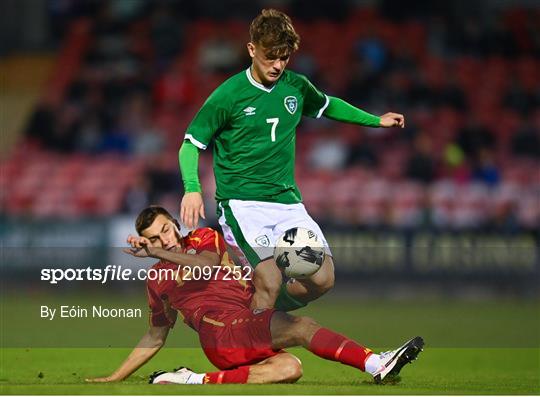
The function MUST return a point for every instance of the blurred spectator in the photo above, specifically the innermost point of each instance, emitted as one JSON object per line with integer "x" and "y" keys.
{"x": 474, "y": 137}
{"x": 400, "y": 11}
{"x": 373, "y": 52}
{"x": 63, "y": 12}
{"x": 526, "y": 142}
{"x": 90, "y": 134}
{"x": 148, "y": 141}
{"x": 167, "y": 34}
{"x": 328, "y": 153}
{"x": 336, "y": 10}
{"x": 305, "y": 63}
{"x": 421, "y": 94}
{"x": 362, "y": 86}
{"x": 162, "y": 180}
{"x": 520, "y": 99}
{"x": 498, "y": 39}
{"x": 138, "y": 195}
{"x": 175, "y": 87}
{"x": 456, "y": 165}
{"x": 363, "y": 153}
{"x": 123, "y": 10}
{"x": 220, "y": 10}
{"x": 395, "y": 89}
{"x": 505, "y": 208}
{"x": 65, "y": 129}
{"x": 41, "y": 125}
{"x": 220, "y": 55}
{"x": 403, "y": 60}
{"x": 128, "y": 122}
{"x": 421, "y": 165}
{"x": 116, "y": 140}
{"x": 468, "y": 38}
{"x": 451, "y": 94}
{"x": 437, "y": 35}
{"x": 485, "y": 170}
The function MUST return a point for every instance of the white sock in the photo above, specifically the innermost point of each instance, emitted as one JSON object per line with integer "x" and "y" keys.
{"x": 196, "y": 379}
{"x": 372, "y": 363}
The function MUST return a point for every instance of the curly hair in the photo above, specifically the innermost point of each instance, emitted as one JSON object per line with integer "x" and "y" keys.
{"x": 273, "y": 30}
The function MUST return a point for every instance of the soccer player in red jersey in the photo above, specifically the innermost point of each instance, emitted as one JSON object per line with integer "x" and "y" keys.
{"x": 199, "y": 280}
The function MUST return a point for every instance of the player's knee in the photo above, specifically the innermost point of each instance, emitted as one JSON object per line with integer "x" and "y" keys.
{"x": 290, "y": 369}
{"x": 272, "y": 288}
{"x": 323, "y": 281}
{"x": 324, "y": 284}
{"x": 328, "y": 283}
{"x": 264, "y": 298}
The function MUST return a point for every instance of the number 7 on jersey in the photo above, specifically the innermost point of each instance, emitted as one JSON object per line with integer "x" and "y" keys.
{"x": 274, "y": 121}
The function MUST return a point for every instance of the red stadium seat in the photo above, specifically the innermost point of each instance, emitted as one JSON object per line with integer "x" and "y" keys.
{"x": 407, "y": 199}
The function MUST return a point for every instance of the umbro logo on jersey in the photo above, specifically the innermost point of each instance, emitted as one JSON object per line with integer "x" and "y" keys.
{"x": 291, "y": 103}
{"x": 249, "y": 111}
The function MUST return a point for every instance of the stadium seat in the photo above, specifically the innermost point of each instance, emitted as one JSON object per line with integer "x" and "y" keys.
{"x": 407, "y": 201}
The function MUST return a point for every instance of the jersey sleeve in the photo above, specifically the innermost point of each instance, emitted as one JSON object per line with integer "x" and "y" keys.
{"x": 211, "y": 117}
{"x": 315, "y": 102}
{"x": 209, "y": 240}
{"x": 158, "y": 316}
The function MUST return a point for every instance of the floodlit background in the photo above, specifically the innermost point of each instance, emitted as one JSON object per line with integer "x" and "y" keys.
{"x": 96, "y": 97}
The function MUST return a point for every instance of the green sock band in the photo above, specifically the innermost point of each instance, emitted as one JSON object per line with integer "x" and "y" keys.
{"x": 285, "y": 302}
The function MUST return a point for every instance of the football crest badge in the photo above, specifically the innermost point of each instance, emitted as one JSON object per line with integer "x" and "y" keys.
{"x": 263, "y": 241}
{"x": 291, "y": 104}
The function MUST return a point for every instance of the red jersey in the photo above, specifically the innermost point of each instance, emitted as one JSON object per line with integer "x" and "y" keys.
{"x": 196, "y": 294}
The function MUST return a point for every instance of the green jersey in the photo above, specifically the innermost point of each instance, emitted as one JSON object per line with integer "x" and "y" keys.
{"x": 254, "y": 132}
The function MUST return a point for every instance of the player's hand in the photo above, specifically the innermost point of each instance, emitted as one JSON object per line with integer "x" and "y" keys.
{"x": 137, "y": 241}
{"x": 140, "y": 246}
{"x": 191, "y": 208}
{"x": 392, "y": 120}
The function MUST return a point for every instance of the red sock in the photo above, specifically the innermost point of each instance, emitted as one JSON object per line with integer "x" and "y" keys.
{"x": 238, "y": 375}
{"x": 333, "y": 346}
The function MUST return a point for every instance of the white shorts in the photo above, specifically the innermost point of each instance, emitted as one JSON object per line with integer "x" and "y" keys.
{"x": 252, "y": 228}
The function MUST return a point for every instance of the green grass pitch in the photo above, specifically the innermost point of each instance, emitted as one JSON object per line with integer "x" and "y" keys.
{"x": 471, "y": 348}
{"x": 437, "y": 371}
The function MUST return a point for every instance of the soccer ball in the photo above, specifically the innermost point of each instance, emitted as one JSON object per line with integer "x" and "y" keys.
{"x": 299, "y": 252}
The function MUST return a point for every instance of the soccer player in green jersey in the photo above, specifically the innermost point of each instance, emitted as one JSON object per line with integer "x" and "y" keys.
{"x": 252, "y": 119}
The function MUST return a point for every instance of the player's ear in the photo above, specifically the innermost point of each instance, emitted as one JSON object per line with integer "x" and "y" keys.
{"x": 251, "y": 49}
{"x": 177, "y": 228}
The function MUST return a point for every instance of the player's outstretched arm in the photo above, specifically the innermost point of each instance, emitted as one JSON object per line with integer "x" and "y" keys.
{"x": 340, "y": 110}
{"x": 192, "y": 206}
{"x": 148, "y": 346}
{"x": 141, "y": 248}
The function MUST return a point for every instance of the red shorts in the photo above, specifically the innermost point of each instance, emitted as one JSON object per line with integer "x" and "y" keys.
{"x": 237, "y": 338}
